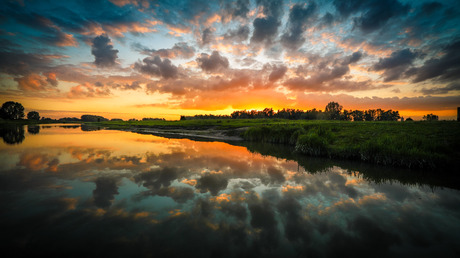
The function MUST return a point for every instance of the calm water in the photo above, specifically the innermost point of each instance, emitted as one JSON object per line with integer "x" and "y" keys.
{"x": 69, "y": 191}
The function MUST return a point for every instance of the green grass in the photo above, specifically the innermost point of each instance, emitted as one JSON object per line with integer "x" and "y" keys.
{"x": 411, "y": 144}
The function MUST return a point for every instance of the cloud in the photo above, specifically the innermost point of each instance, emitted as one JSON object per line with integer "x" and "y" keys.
{"x": 266, "y": 28}
{"x": 36, "y": 82}
{"x": 157, "y": 67}
{"x": 235, "y": 9}
{"x": 454, "y": 86}
{"x": 18, "y": 63}
{"x": 240, "y": 34}
{"x": 179, "y": 50}
{"x": 444, "y": 68}
{"x": 374, "y": 14}
{"x": 355, "y": 57}
{"x": 277, "y": 73}
{"x": 395, "y": 65}
{"x": 102, "y": 49}
{"x": 86, "y": 90}
{"x": 299, "y": 16}
{"x": 212, "y": 63}
{"x": 207, "y": 36}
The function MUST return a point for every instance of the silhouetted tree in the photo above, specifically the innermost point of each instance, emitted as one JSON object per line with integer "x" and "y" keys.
{"x": 409, "y": 119}
{"x": 346, "y": 115}
{"x": 431, "y": 117}
{"x": 93, "y": 118}
{"x": 333, "y": 109}
{"x": 12, "y": 110}
{"x": 33, "y": 115}
{"x": 369, "y": 115}
{"x": 357, "y": 115}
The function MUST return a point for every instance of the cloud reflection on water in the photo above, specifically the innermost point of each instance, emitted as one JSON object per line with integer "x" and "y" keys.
{"x": 105, "y": 192}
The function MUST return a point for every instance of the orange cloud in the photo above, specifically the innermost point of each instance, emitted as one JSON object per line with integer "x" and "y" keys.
{"x": 178, "y": 31}
{"x": 36, "y": 82}
{"x": 289, "y": 188}
{"x": 191, "y": 182}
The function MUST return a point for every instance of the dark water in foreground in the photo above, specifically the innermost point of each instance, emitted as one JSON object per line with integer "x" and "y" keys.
{"x": 67, "y": 192}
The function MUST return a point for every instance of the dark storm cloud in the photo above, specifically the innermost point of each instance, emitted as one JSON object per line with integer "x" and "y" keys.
{"x": 213, "y": 62}
{"x": 299, "y": 17}
{"x": 277, "y": 73}
{"x": 240, "y": 34}
{"x": 395, "y": 65}
{"x": 266, "y": 28}
{"x": 104, "y": 194}
{"x": 444, "y": 68}
{"x": 374, "y": 14}
{"x": 156, "y": 67}
{"x": 102, "y": 49}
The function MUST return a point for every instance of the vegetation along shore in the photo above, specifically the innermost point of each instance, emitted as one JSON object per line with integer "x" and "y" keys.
{"x": 374, "y": 136}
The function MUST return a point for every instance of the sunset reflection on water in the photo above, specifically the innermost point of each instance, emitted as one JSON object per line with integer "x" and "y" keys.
{"x": 112, "y": 192}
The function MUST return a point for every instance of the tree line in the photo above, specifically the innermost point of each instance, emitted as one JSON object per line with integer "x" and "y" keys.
{"x": 11, "y": 110}
{"x": 333, "y": 111}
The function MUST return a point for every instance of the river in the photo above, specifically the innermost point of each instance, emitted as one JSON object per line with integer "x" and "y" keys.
{"x": 72, "y": 191}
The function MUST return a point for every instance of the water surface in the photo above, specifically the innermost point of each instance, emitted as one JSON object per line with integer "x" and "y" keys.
{"x": 76, "y": 191}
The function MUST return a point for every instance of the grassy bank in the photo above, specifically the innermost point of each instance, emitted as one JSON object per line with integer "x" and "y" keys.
{"x": 412, "y": 145}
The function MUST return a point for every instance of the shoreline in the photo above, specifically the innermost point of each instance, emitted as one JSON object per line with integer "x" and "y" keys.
{"x": 413, "y": 145}
{"x": 209, "y": 134}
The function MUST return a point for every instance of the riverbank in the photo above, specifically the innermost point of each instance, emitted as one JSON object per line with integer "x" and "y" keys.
{"x": 426, "y": 145}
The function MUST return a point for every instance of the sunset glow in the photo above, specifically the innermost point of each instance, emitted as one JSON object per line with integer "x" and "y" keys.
{"x": 136, "y": 58}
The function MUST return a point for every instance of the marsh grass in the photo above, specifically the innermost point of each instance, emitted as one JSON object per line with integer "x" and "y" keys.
{"x": 412, "y": 145}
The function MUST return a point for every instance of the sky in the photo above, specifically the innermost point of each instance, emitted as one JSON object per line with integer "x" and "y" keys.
{"x": 138, "y": 58}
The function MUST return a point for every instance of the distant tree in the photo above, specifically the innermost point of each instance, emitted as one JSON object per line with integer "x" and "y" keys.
{"x": 357, "y": 115}
{"x": 12, "y": 110}
{"x": 346, "y": 115}
{"x": 370, "y": 115}
{"x": 92, "y": 118}
{"x": 33, "y": 115}
{"x": 333, "y": 109}
{"x": 409, "y": 119}
{"x": 431, "y": 117}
